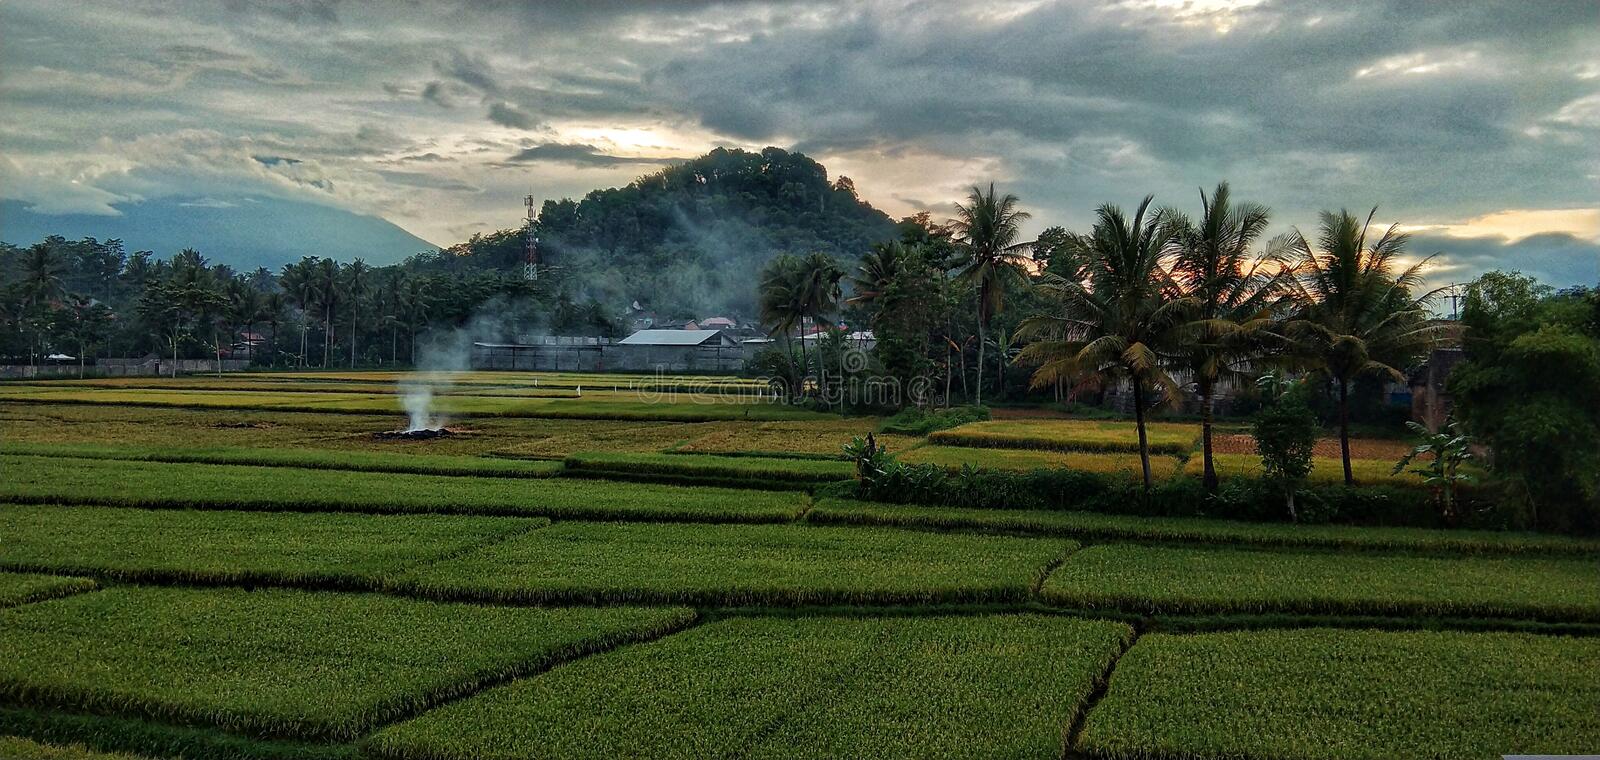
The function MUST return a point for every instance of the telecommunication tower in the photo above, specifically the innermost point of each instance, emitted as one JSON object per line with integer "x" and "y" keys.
{"x": 530, "y": 247}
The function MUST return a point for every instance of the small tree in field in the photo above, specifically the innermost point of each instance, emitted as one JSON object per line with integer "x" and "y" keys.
{"x": 1285, "y": 432}
{"x": 1447, "y": 450}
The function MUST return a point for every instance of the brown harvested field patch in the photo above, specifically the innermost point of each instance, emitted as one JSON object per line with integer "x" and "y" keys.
{"x": 1360, "y": 448}
{"x": 799, "y": 437}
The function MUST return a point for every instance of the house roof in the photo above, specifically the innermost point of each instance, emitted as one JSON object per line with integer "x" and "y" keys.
{"x": 671, "y": 338}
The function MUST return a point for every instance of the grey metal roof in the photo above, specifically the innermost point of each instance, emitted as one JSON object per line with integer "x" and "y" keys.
{"x": 670, "y": 337}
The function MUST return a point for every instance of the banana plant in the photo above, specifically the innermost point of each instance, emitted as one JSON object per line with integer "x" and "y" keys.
{"x": 1449, "y": 449}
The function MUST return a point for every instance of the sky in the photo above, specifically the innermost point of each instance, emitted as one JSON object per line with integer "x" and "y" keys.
{"x": 1475, "y": 125}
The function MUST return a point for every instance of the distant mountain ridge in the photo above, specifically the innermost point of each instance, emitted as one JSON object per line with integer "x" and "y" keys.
{"x": 243, "y": 232}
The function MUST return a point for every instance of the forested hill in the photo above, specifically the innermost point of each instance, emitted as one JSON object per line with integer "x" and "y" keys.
{"x": 688, "y": 240}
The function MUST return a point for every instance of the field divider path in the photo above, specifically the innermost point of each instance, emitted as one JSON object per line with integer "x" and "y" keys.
{"x": 1102, "y": 684}
{"x": 19, "y": 586}
{"x": 151, "y": 738}
{"x": 304, "y": 459}
{"x": 384, "y": 582}
{"x": 567, "y": 657}
{"x": 1101, "y": 527}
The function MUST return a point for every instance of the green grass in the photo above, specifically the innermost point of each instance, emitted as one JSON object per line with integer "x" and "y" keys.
{"x": 22, "y": 588}
{"x": 216, "y": 486}
{"x": 286, "y": 663}
{"x": 512, "y": 379}
{"x": 1160, "y": 580}
{"x": 733, "y": 565}
{"x": 1071, "y": 435}
{"x": 1335, "y": 694}
{"x": 1022, "y": 460}
{"x": 625, "y": 405}
{"x": 324, "y": 550}
{"x": 359, "y": 461}
{"x": 908, "y": 687}
{"x": 17, "y": 748}
{"x": 246, "y": 384}
{"x": 1095, "y": 526}
{"x": 761, "y": 469}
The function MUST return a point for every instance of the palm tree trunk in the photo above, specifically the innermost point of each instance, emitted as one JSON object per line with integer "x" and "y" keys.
{"x": 979, "y": 385}
{"x": 1138, "y": 420}
{"x": 999, "y": 368}
{"x": 805, "y": 359}
{"x": 1344, "y": 430}
{"x": 1210, "y": 477}
{"x": 788, "y": 354}
{"x": 949, "y": 362}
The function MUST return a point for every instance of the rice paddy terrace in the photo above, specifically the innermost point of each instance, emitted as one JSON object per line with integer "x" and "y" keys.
{"x": 636, "y": 566}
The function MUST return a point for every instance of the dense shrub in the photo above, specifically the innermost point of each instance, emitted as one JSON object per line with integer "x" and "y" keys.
{"x": 916, "y": 421}
{"x": 892, "y": 481}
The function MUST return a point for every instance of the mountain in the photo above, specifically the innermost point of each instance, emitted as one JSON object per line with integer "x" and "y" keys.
{"x": 690, "y": 240}
{"x": 243, "y": 232}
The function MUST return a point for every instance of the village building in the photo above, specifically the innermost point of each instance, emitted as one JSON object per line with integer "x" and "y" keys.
{"x": 650, "y": 350}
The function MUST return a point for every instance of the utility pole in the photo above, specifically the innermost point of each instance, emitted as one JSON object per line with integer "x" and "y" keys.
{"x": 530, "y": 248}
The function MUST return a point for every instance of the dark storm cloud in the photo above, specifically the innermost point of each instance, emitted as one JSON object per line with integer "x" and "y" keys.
{"x": 1552, "y": 257}
{"x": 508, "y": 115}
{"x": 578, "y": 155}
{"x": 469, "y": 69}
{"x": 418, "y": 179}
{"x": 296, "y": 11}
{"x": 1438, "y": 112}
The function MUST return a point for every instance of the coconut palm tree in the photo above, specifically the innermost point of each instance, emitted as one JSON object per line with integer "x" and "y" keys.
{"x": 273, "y": 305}
{"x": 877, "y": 270}
{"x": 1238, "y": 295}
{"x": 1123, "y": 321}
{"x": 299, "y": 280}
{"x": 781, "y": 301}
{"x": 987, "y": 227}
{"x": 329, "y": 292}
{"x": 355, "y": 285}
{"x": 1357, "y": 316}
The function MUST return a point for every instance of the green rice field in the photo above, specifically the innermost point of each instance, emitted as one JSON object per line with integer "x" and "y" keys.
{"x": 242, "y": 568}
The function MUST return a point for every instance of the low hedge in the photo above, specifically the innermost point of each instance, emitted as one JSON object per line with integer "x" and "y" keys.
{"x": 920, "y": 422}
{"x": 1067, "y": 489}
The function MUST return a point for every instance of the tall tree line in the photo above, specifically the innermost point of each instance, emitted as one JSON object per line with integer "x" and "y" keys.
{"x": 89, "y": 298}
{"x": 1165, "y": 305}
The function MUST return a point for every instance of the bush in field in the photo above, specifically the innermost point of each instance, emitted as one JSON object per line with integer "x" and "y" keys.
{"x": 915, "y": 421}
{"x": 882, "y": 477}
{"x": 1285, "y": 432}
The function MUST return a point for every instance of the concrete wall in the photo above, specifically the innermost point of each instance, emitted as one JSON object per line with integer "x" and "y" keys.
{"x": 120, "y": 368}
{"x": 607, "y": 357}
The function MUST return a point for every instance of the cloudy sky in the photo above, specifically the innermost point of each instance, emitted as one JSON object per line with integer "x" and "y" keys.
{"x": 1477, "y": 125}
